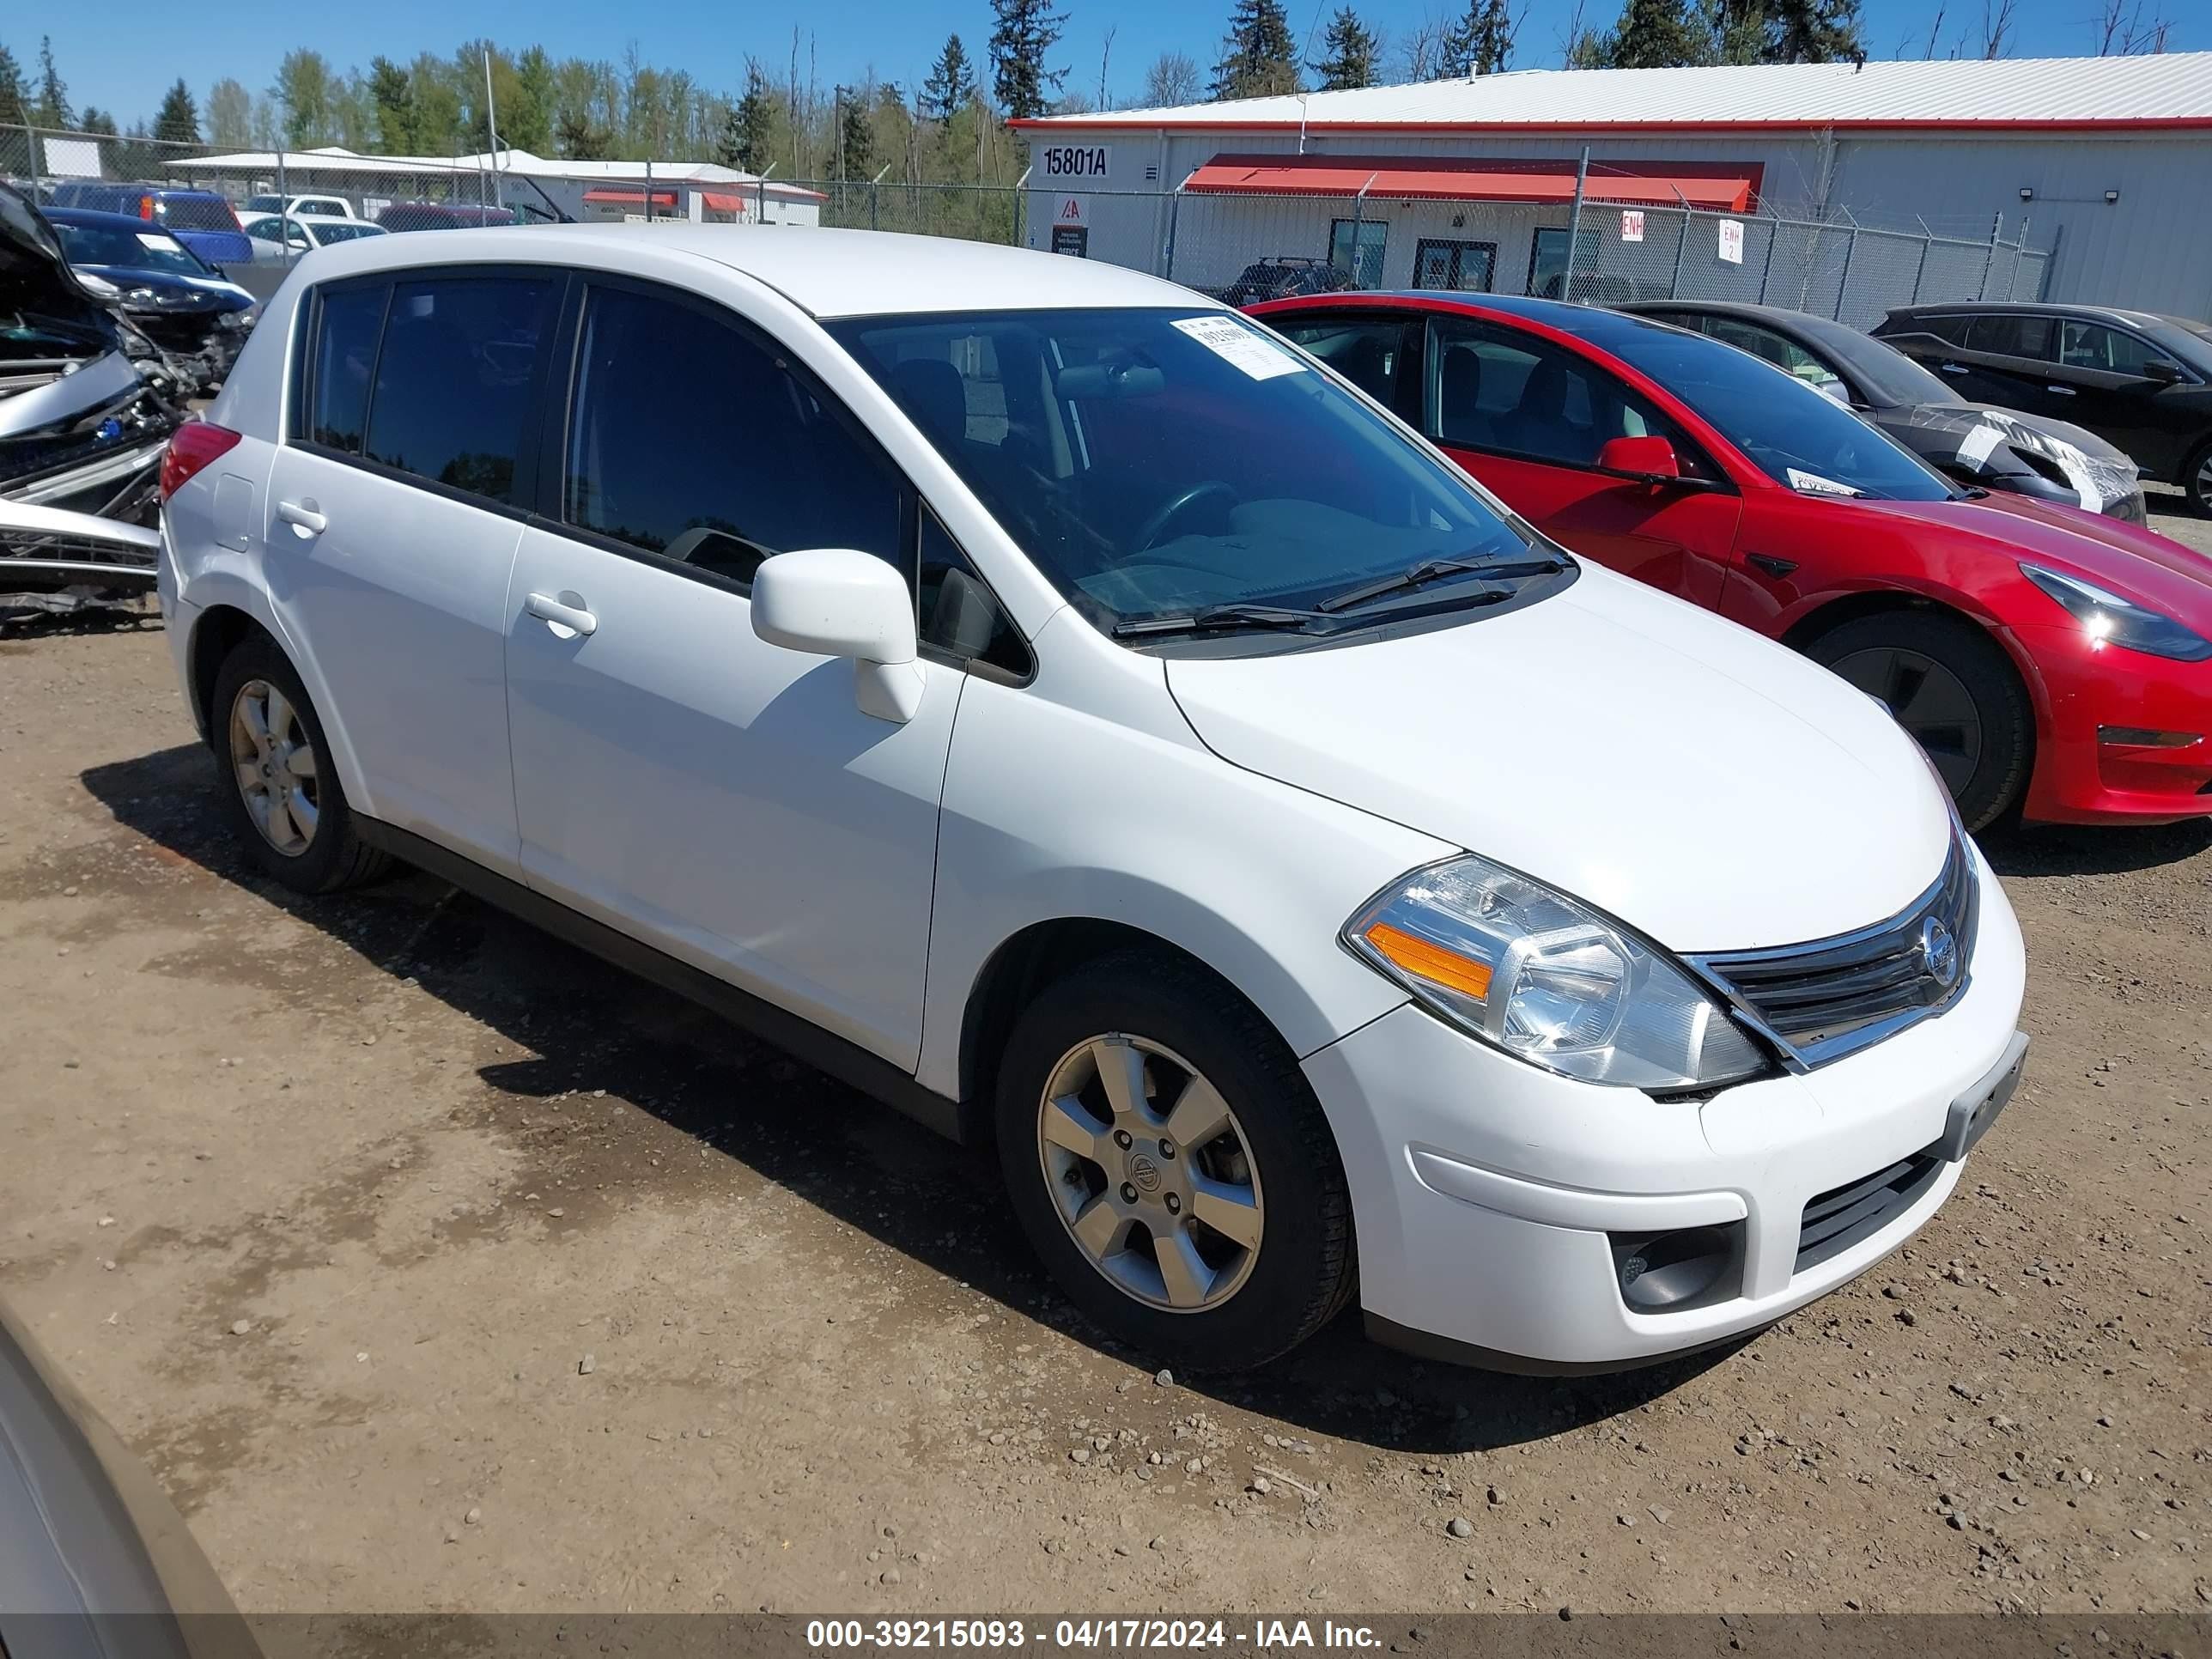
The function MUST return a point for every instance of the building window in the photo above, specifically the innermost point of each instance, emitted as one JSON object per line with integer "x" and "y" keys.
{"x": 1467, "y": 267}
{"x": 1355, "y": 246}
{"x": 1548, "y": 261}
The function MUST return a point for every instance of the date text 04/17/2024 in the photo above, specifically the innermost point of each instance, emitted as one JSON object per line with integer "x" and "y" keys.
{"x": 1261, "y": 1635}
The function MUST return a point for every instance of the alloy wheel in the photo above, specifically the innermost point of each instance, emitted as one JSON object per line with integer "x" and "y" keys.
{"x": 276, "y": 766}
{"x": 1151, "y": 1173}
{"x": 1929, "y": 701}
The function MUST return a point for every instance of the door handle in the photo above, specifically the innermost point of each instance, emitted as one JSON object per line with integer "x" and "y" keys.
{"x": 2063, "y": 391}
{"x": 303, "y": 515}
{"x": 566, "y": 612}
{"x": 1954, "y": 369}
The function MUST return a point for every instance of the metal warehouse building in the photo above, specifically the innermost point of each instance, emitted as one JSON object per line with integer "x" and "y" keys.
{"x": 1837, "y": 187}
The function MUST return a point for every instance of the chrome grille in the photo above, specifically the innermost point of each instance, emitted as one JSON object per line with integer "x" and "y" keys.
{"x": 1833, "y": 997}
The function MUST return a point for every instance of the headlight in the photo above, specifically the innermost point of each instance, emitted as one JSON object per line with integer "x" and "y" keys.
{"x": 2111, "y": 619}
{"x": 1544, "y": 978}
{"x": 239, "y": 320}
{"x": 98, "y": 286}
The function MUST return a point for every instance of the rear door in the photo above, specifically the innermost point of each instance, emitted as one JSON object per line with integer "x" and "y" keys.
{"x": 392, "y": 516}
{"x": 2004, "y": 357}
{"x": 1528, "y": 416}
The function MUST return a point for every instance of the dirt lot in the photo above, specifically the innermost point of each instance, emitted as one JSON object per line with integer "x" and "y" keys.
{"x": 433, "y": 1265}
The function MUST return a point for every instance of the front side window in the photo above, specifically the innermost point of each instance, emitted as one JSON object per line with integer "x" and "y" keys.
{"x": 452, "y": 400}
{"x": 1156, "y": 462}
{"x": 1498, "y": 389}
{"x": 1366, "y": 352}
{"x": 692, "y": 441}
{"x": 2092, "y": 345}
{"x": 1784, "y": 354}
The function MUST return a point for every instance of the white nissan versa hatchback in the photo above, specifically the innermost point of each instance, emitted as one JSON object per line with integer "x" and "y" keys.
{"x": 1048, "y": 702}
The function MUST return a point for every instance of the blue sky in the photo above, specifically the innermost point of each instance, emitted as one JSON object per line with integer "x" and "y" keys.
{"x": 125, "y": 69}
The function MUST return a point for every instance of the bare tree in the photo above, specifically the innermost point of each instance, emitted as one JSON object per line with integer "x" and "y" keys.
{"x": 1172, "y": 80}
{"x": 1572, "y": 35}
{"x": 1422, "y": 51}
{"x": 1935, "y": 28}
{"x": 2123, "y": 30}
{"x": 1998, "y": 21}
{"x": 1105, "y": 53}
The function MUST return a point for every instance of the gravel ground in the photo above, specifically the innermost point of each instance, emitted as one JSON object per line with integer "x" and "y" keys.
{"x": 433, "y": 1266}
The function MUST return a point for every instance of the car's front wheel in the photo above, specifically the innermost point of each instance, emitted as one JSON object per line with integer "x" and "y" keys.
{"x": 2196, "y": 479}
{"x": 274, "y": 775}
{"x": 1171, "y": 1166}
{"x": 1951, "y": 686}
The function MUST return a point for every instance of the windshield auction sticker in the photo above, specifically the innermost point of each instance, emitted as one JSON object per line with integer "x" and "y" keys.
{"x": 1230, "y": 340}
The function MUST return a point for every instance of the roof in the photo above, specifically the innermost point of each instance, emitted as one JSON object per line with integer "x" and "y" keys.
{"x": 2172, "y": 89}
{"x": 337, "y": 160}
{"x": 831, "y": 273}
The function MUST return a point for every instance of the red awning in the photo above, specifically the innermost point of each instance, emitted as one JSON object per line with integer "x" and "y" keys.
{"x": 1728, "y": 186}
{"x": 718, "y": 202}
{"x": 661, "y": 198}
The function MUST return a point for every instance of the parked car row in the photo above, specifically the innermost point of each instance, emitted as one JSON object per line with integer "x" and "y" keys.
{"x": 2053, "y": 664}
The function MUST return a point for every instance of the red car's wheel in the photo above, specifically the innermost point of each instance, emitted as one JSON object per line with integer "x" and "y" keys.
{"x": 1950, "y": 686}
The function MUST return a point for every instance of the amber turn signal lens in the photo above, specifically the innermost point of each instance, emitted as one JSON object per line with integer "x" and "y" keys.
{"x": 1430, "y": 962}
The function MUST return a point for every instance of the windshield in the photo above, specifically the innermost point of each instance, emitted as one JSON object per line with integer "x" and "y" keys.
{"x": 138, "y": 250}
{"x": 1797, "y": 436}
{"x": 1157, "y": 462}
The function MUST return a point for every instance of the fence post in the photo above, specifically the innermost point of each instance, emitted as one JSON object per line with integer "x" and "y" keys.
{"x": 1766, "y": 272}
{"x": 1574, "y": 225}
{"x": 1175, "y": 216}
{"x": 1682, "y": 248}
{"x": 1927, "y": 241}
{"x": 284, "y": 210}
{"x": 31, "y": 139}
{"x": 1850, "y": 253}
{"x": 1989, "y": 259}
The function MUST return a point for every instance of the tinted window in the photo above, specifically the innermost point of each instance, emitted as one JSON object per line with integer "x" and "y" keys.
{"x": 325, "y": 234}
{"x": 1799, "y": 438}
{"x": 957, "y": 613}
{"x": 1494, "y": 388}
{"x": 2092, "y": 345}
{"x": 1364, "y": 353}
{"x": 1783, "y": 354}
{"x": 1951, "y": 328}
{"x": 2007, "y": 335}
{"x": 150, "y": 249}
{"x": 692, "y": 441}
{"x": 344, "y": 359}
{"x": 1154, "y": 461}
{"x": 453, "y": 383}
{"x": 195, "y": 212}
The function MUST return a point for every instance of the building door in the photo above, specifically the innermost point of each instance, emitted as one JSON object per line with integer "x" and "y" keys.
{"x": 1355, "y": 248}
{"x": 1467, "y": 267}
{"x": 1547, "y": 261}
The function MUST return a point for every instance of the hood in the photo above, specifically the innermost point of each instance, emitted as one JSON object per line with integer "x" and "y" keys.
{"x": 1711, "y": 789}
{"x": 1995, "y": 445}
{"x": 173, "y": 291}
{"x": 2132, "y": 561}
{"x": 35, "y": 278}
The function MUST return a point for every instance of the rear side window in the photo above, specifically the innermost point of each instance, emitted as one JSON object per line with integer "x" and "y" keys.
{"x": 689, "y": 440}
{"x": 1952, "y": 328}
{"x": 2010, "y": 336}
{"x": 344, "y": 359}
{"x": 451, "y": 398}
{"x": 195, "y": 212}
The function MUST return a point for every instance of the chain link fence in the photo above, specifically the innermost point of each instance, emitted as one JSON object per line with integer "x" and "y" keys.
{"x": 1238, "y": 245}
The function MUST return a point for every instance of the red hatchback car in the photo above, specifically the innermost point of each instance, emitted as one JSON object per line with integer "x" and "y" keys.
{"x": 2048, "y": 661}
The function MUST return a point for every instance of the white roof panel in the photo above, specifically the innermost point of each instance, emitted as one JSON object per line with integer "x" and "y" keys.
{"x": 2173, "y": 89}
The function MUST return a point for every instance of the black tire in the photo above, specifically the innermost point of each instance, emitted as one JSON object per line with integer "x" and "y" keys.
{"x": 334, "y": 856}
{"x": 2196, "y": 479}
{"x": 1984, "y": 749}
{"x": 1302, "y": 1273}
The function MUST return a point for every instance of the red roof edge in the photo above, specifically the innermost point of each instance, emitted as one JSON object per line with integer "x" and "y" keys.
{"x": 2084, "y": 123}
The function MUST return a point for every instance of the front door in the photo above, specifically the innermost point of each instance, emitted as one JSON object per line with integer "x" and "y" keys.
{"x": 719, "y": 797}
{"x": 390, "y": 532}
{"x": 2102, "y": 381}
{"x": 1527, "y": 417}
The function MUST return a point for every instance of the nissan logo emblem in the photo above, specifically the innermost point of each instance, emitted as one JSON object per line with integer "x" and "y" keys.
{"x": 1940, "y": 953}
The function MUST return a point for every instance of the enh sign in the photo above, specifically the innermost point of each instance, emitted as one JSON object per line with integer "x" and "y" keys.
{"x": 1631, "y": 224}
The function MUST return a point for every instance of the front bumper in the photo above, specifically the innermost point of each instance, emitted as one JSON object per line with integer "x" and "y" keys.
{"x": 2089, "y": 693}
{"x": 1489, "y": 1196}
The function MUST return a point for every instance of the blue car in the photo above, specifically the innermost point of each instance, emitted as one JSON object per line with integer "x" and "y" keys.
{"x": 200, "y": 219}
{"x": 178, "y": 300}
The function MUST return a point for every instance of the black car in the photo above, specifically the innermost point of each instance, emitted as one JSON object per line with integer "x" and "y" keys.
{"x": 1286, "y": 274}
{"x": 180, "y": 301}
{"x": 2142, "y": 381}
{"x": 1996, "y": 448}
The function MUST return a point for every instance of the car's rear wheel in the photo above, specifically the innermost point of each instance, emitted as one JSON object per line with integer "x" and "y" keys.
{"x": 274, "y": 775}
{"x": 1950, "y": 686}
{"x": 1169, "y": 1162}
{"x": 2197, "y": 479}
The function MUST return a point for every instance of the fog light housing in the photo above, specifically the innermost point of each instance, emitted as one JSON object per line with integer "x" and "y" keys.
{"x": 2145, "y": 737}
{"x": 1674, "y": 1271}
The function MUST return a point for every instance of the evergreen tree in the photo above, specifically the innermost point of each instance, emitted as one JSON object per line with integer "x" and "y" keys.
{"x": 1025, "y": 30}
{"x": 950, "y": 82}
{"x": 747, "y": 133}
{"x": 177, "y": 121}
{"x": 1349, "y": 50}
{"x": 52, "y": 109}
{"x": 95, "y": 119}
{"x": 12, "y": 109}
{"x": 393, "y": 94}
{"x": 1656, "y": 34}
{"x": 582, "y": 139}
{"x": 1813, "y": 31}
{"x": 1482, "y": 41}
{"x": 856, "y": 140}
{"x": 1257, "y": 56}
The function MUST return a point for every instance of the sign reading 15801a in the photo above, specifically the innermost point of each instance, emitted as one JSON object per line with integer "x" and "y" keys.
{"x": 1076, "y": 161}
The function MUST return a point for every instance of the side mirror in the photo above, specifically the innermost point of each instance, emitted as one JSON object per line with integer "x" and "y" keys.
{"x": 2157, "y": 369}
{"x": 839, "y": 602}
{"x": 1650, "y": 459}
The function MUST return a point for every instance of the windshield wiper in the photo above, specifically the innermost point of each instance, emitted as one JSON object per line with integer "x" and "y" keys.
{"x": 1429, "y": 570}
{"x": 1219, "y": 617}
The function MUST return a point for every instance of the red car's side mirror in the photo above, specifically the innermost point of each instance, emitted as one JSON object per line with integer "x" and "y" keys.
{"x": 1648, "y": 457}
